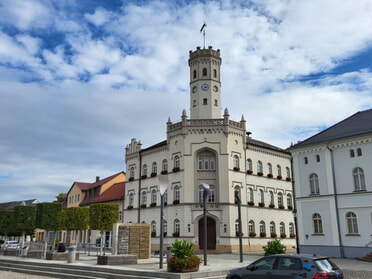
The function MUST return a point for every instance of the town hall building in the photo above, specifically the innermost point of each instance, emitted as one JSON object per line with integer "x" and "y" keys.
{"x": 207, "y": 148}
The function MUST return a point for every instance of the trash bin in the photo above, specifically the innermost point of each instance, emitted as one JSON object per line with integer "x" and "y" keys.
{"x": 71, "y": 254}
{"x": 169, "y": 253}
{"x": 24, "y": 251}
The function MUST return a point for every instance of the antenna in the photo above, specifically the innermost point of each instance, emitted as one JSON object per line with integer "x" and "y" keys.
{"x": 202, "y": 29}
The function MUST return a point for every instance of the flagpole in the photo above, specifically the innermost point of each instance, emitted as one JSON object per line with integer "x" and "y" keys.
{"x": 202, "y": 29}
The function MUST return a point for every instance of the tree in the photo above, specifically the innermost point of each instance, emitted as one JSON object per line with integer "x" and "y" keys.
{"x": 274, "y": 247}
{"x": 61, "y": 197}
{"x": 102, "y": 217}
{"x": 7, "y": 224}
{"x": 77, "y": 218}
{"x": 24, "y": 218}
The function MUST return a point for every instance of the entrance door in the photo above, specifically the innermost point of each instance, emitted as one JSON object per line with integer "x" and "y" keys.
{"x": 211, "y": 234}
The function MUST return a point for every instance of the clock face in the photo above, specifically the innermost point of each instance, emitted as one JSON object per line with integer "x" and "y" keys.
{"x": 205, "y": 87}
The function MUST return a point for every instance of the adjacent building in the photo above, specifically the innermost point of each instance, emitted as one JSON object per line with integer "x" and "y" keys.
{"x": 210, "y": 148}
{"x": 333, "y": 187}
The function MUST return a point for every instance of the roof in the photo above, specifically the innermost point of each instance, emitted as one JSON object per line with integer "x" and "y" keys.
{"x": 115, "y": 192}
{"x": 13, "y": 204}
{"x": 162, "y": 143}
{"x": 262, "y": 144}
{"x": 84, "y": 186}
{"x": 358, "y": 124}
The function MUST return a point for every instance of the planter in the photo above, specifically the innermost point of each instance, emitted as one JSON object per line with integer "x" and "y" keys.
{"x": 176, "y": 234}
{"x": 164, "y": 172}
{"x": 262, "y": 234}
{"x": 252, "y": 234}
{"x": 236, "y": 169}
{"x": 130, "y": 207}
{"x": 144, "y": 176}
{"x": 249, "y": 172}
{"x": 279, "y": 177}
{"x": 260, "y": 173}
{"x": 153, "y": 204}
{"x": 281, "y": 206}
{"x": 131, "y": 178}
{"x": 153, "y": 174}
{"x": 292, "y": 235}
{"x": 176, "y": 169}
{"x": 153, "y": 234}
{"x": 270, "y": 175}
{"x": 251, "y": 203}
{"x": 271, "y": 205}
{"x": 273, "y": 235}
{"x": 290, "y": 207}
{"x": 184, "y": 269}
{"x": 176, "y": 201}
{"x": 288, "y": 179}
{"x": 261, "y": 204}
{"x": 283, "y": 235}
{"x": 143, "y": 205}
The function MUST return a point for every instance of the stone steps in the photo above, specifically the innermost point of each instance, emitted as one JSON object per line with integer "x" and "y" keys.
{"x": 368, "y": 257}
{"x": 84, "y": 271}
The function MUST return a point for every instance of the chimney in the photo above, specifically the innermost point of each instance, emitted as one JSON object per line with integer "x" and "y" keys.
{"x": 97, "y": 178}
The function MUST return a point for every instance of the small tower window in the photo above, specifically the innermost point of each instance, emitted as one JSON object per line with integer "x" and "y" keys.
{"x": 205, "y": 101}
{"x": 215, "y": 73}
{"x": 194, "y": 103}
{"x": 216, "y": 102}
{"x": 205, "y": 72}
{"x": 194, "y": 74}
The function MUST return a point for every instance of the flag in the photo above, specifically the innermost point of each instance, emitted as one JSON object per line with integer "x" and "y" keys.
{"x": 202, "y": 28}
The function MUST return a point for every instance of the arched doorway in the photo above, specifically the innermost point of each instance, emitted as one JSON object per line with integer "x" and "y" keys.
{"x": 211, "y": 232}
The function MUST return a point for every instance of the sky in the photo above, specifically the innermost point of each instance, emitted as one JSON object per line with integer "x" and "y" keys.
{"x": 80, "y": 79}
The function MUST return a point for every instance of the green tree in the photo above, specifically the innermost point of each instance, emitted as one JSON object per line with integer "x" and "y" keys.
{"x": 61, "y": 197}
{"x": 7, "y": 224}
{"x": 24, "y": 218}
{"x": 102, "y": 217}
{"x": 274, "y": 247}
{"x": 77, "y": 218}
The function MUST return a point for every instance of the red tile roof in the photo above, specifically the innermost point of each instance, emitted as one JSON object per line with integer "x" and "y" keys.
{"x": 115, "y": 192}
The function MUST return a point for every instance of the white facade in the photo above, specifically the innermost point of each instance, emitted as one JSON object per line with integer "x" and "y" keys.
{"x": 215, "y": 150}
{"x": 333, "y": 191}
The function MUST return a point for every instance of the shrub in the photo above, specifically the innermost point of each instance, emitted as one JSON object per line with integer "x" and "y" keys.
{"x": 183, "y": 256}
{"x": 274, "y": 247}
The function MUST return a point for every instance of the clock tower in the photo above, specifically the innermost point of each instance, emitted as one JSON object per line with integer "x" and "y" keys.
{"x": 205, "y": 83}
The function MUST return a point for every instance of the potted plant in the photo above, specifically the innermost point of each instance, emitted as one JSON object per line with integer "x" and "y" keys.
{"x": 184, "y": 258}
{"x": 251, "y": 203}
{"x": 290, "y": 207}
{"x": 153, "y": 174}
{"x": 176, "y": 169}
{"x": 131, "y": 178}
{"x": 279, "y": 177}
{"x": 130, "y": 207}
{"x": 283, "y": 235}
{"x": 176, "y": 201}
{"x": 153, "y": 204}
{"x": 273, "y": 235}
{"x": 236, "y": 169}
{"x": 143, "y": 205}
{"x": 271, "y": 205}
{"x": 260, "y": 173}
{"x": 270, "y": 175}
{"x": 288, "y": 179}
{"x": 176, "y": 234}
{"x": 144, "y": 176}
{"x": 262, "y": 234}
{"x": 153, "y": 234}
{"x": 249, "y": 171}
{"x": 292, "y": 235}
{"x": 281, "y": 206}
{"x": 261, "y": 204}
{"x": 164, "y": 172}
{"x": 252, "y": 234}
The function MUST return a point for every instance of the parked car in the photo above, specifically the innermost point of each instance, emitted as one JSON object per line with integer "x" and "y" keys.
{"x": 11, "y": 244}
{"x": 288, "y": 266}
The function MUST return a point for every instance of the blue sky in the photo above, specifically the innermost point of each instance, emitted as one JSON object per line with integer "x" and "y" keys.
{"x": 79, "y": 79}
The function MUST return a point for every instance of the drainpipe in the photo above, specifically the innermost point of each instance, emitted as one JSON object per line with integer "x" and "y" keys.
{"x": 342, "y": 254}
{"x": 295, "y": 208}
{"x": 139, "y": 187}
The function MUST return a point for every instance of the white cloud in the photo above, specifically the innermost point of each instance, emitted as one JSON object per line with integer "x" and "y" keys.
{"x": 99, "y": 17}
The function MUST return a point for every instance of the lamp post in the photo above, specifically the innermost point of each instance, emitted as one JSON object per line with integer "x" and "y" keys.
{"x": 238, "y": 201}
{"x": 163, "y": 184}
{"x": 206, "y": 188}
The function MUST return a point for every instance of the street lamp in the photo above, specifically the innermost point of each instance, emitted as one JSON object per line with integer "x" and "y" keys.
{"x": 163, "y": 184}
{"x": 238, "y": 201}
{"x": 206, "y": 188}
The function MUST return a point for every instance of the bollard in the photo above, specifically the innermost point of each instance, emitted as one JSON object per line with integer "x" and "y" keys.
{"x": 169, "y": 253}
{"x": 71, "y": 254}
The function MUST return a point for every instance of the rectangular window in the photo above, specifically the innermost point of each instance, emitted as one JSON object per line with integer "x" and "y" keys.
{"x": 205, "y": 101}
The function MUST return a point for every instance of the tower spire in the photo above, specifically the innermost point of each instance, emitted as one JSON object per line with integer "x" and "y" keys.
{"x": 202, "y": 29}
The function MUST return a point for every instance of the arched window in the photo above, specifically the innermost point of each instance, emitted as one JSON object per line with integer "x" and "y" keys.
{"x": 214, "y": 73}
{"x": 131, "y": 198}
{"x": 288, "y": 172}
{"x": 176, "y": 193}
{"x": 272, "y": 227}
{"x": 194, "y": 74}
{"x": 216, "y": 102}
{"x": 269, "y": 168}
{"x": 165, "y": 227}
{"x": 164, "y": 164}
{"x": 358, "y": 177}
{"x": 317, "y": 158}
{"x": 317, "y": 224}
{"x": 261, "y": 196}
{"x": 279, "y": 170}
{"x": 262, "y": 227}
{"x": 131, "y": 172}
{"x": 281, "y": 228}
{"x": 352, "y": 153}
{"x": 153, "y": 196}
{"x": 280, "y": 200}
{"x": 314, "y": 184}
{"x": 352, "y": 223}
{"x": 177, "y": 226}
{"x": 259, "y": 167}
{"x": 144, "y": 197}
{"x": 249, "y": 165}
{"x": 153, "y": 227}
{"x": 154, "y": 168}
{"x": 289, "y": 201}
{"x": 205, "y": 72}
{"x": 236, "y": 162}
{"x": 306, "y": 161}
{"x": 144, "y": 170}
{"x": 251, "y": 227}
{"x": 359, "y": 152}
{"x": 271, "y": 195}
{"x": 176, "y": 162}
{"x": 291, "y": 229}
{"x": 250, "y": 197}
